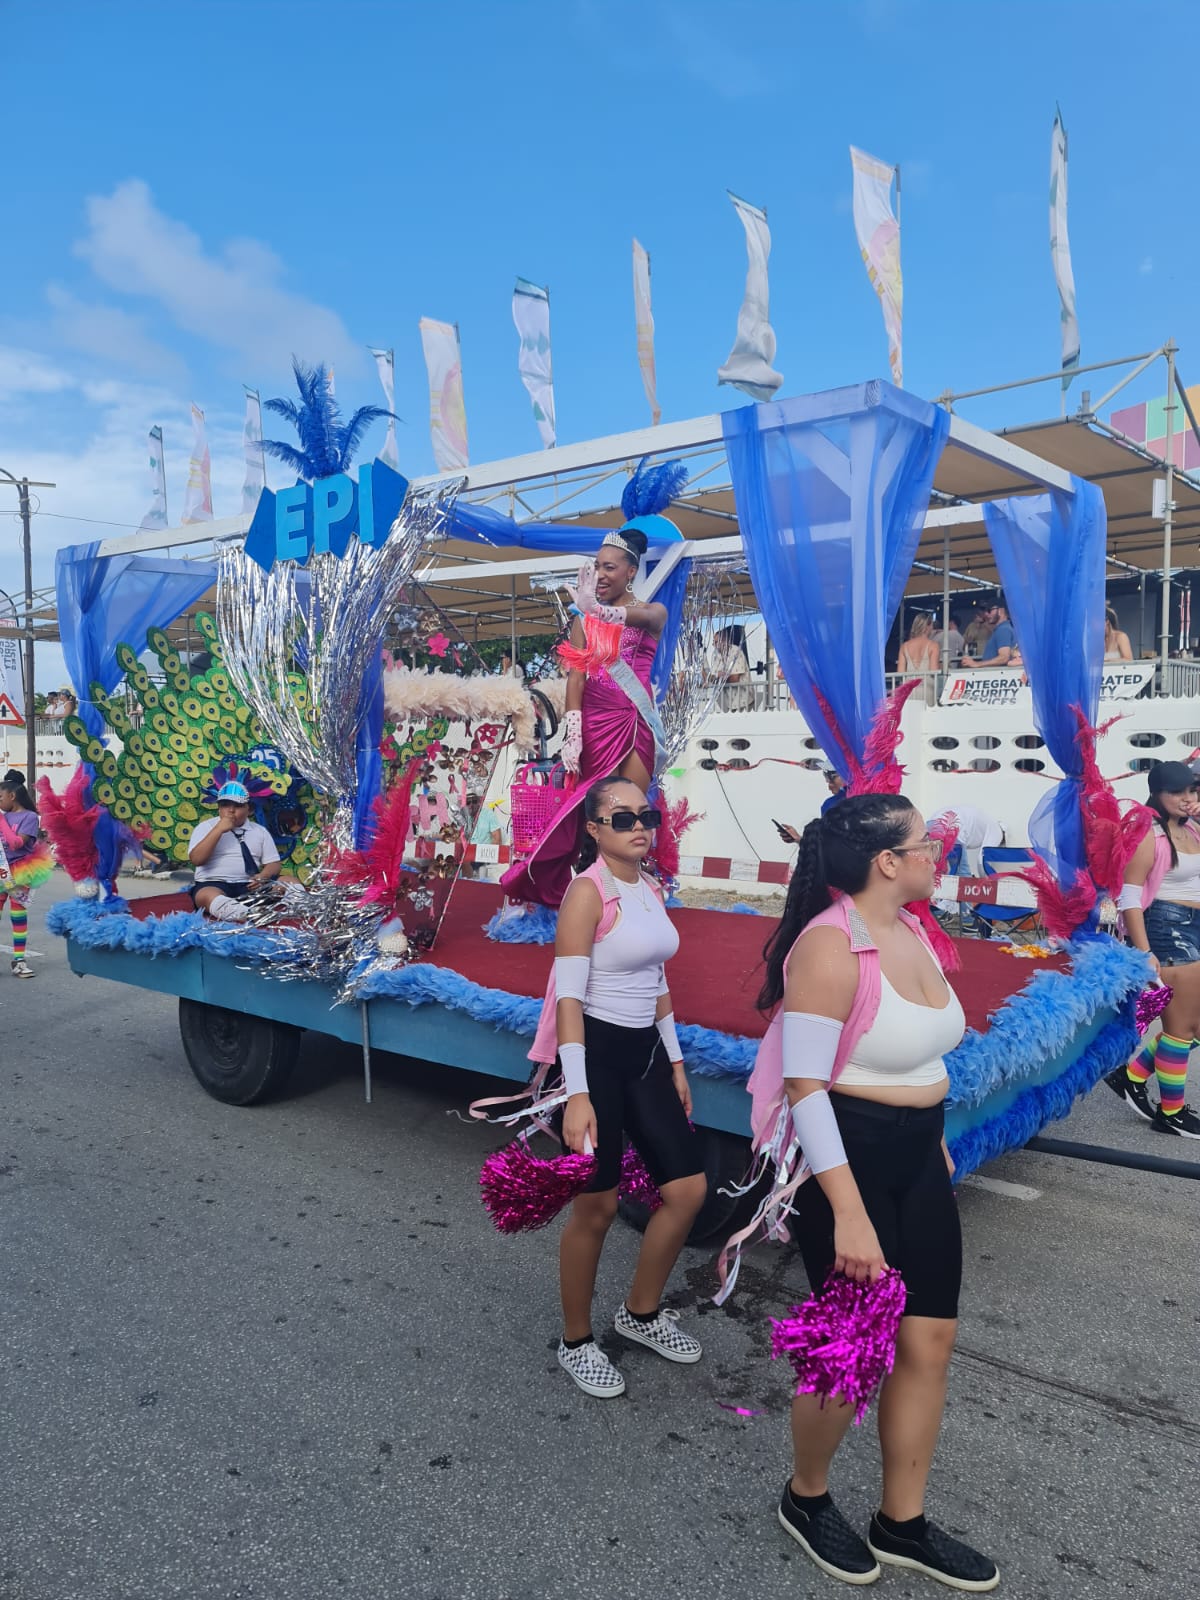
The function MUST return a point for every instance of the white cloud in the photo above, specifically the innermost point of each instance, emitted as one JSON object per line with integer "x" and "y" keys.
{"x": 112, "y": 336}
{"x": 713, "y": 57}
{"x": 234, "y": 299}
{"x": 1146, "y": 266}
{"x": 24, "y": 373}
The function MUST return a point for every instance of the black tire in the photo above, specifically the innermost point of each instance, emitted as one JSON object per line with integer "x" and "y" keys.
{"x": 726, "y": 1159}
{"x": 237, "y": 1058}
{"x": 546, "y": 715}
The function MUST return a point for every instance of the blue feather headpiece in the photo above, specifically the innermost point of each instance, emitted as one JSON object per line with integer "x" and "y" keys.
{"x": 645, "y": 497}
{"x": 327, "y": 444}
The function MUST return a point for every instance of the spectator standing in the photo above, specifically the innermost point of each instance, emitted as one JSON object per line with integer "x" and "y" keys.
{"x": 1000, "y": 645}
{"x": 1116, "y": 643}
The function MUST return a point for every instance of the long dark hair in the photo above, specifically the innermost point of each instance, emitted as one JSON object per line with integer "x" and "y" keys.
{"x": 14, "y": 783}
{"x": 836, "y": 851}
{"x": 593, "y": 805}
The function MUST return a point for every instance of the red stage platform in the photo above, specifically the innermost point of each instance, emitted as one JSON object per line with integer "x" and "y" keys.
{"x": 714, "y": 978}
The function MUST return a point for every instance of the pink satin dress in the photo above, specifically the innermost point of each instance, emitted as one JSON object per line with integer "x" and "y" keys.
{"x": 612, "y": 730}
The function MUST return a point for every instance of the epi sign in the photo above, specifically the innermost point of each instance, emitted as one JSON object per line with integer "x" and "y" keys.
{"x": 321, "y": 517}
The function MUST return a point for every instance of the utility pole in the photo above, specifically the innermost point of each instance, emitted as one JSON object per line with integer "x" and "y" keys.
{"x": 23, "y": 486}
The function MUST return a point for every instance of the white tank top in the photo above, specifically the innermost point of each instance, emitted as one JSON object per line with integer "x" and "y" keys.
{"x": 905, "y": 1044}
{"x": 626, "y": 974}
{"x": 1182, "y": 882}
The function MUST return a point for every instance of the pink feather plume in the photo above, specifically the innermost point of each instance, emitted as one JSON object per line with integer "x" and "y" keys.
{"x": 71, "y": 824}
{"x": 678, "y": 817}
{"x": 1062, "y": 911}
{"x": 1110, "y": 835}
{"x": 380, "y": 861}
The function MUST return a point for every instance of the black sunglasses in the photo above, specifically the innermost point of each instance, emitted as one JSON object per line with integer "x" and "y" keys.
{"x": 624, "y": 821}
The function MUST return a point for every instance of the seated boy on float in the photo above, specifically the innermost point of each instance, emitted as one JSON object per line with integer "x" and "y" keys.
{"x": 232, "y": 856}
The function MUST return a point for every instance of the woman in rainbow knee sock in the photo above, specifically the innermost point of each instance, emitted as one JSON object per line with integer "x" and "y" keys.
{"x": 1161, "y": 903}
{"x": 24, "y": 862}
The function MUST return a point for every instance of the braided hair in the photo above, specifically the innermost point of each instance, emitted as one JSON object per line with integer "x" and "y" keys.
{"x": 836, "y": 852}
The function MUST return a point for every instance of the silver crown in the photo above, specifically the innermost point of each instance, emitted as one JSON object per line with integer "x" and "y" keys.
{"x": 615, "y": 538}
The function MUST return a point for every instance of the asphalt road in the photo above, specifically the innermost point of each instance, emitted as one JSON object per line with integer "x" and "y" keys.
{"x": 279, "y": 1353}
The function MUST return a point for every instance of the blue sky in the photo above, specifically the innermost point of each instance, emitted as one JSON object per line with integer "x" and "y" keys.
{"x": 193, "y": 191}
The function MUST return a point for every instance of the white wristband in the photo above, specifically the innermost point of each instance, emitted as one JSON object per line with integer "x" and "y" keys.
{"x": 810, "y": 1045}
{"x": 1131, "y": 897}
{"x": 571, "y": 977}
{"x": 670, "y": 1039}
{"x": 817, "y": 1130}
{"x": 574, "y": 1067}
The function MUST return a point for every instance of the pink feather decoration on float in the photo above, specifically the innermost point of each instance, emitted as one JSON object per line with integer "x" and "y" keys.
{"x": 678, "y": 817}
{"x": 1062, "y": 911}
{"x": 1110, "y": 835}
{"x": 380, "y": 862}
{"x": 71, "y": 824}
{"x": 841, "y": 1343}
{"x": 522, "y": 1192}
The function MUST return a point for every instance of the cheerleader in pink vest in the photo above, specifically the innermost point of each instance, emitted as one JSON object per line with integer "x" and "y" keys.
{"x": 848, "y": 1091}
{"x": 607, "y": 1020}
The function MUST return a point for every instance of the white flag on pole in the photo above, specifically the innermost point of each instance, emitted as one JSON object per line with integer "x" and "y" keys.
{"x": 447, "y": 408}
{"x": 531, "y": 313}
{"x": 878, "y": 232}
{"x": 156, "y": 516}
{"x": 749, "y": 366}
{"x": 644, "y": 320}
{"x": 1060, "y": 249}
{"x": 385, "y": 365}
{"x": 255, "y": 480}
{"x": 197, "y": 502}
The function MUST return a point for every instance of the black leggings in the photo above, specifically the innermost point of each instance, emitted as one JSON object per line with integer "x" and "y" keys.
{"x": 632, "y": 1091}
{"x": 895, "y": 1155}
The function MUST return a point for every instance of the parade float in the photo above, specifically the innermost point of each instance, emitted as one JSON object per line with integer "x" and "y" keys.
{"x": 375, "y": 774}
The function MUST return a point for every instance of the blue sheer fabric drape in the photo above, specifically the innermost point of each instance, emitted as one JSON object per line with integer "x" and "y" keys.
{"x": 1050, "y": 551}
{"x": 104, "y": 601}
{"x": 831, "y": 494}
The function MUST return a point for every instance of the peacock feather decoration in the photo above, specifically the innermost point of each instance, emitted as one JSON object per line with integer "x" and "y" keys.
{"x": 188, "y": 730}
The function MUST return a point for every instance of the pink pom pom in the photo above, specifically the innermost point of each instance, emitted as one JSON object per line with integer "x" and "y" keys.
{"x": 1151, "y": 1003}
{"x": 522, "y": 1192}
{"x": 636, "y": 1183}
{"x": 842, "y": 1342}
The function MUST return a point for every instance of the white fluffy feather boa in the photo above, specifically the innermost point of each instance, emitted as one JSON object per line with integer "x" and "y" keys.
{"x": 408, "y": 694}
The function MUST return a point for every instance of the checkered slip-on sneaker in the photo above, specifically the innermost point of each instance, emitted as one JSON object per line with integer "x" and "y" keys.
{"x": 592, "y": 1370}
{"x": 662, "y": 1335}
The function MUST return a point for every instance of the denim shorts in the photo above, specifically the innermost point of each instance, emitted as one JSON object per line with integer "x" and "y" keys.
{"x": 1173, "y": 932}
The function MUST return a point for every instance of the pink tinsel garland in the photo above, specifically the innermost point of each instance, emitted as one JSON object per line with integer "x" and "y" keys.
{"x": 637, "y": 1186}
{"x": 842, "y": 1342}
{"x": 522, "y": 1192}
{"x": 1151, "y": 1004}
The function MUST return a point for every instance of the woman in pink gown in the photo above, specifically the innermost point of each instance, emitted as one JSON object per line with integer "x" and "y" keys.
{"x": 610, "y": 719}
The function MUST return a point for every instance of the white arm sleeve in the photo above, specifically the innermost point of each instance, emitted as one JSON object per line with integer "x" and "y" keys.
{"x": 817, "y": 1130}
{"x": 571, "y": 977}
{"x": 670, "y": 1039}
{"x": 1131, "y": 897}
{"x": 574, "y": 1068}
{"x": 810, "y": 1045}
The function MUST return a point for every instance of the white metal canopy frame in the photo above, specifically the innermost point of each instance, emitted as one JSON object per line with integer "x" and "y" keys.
{"x": 498, "y": 592}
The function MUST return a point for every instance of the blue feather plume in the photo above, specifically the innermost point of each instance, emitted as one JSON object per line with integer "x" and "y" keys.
{"x": 652, "y": 488}
{"x": 327, "y": 444}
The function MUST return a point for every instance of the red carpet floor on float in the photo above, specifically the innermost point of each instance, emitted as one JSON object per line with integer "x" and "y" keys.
{"x": 713, "y": 979}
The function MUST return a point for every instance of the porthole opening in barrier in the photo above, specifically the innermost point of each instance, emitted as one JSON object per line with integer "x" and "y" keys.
{"x": 739, "y": 744}
{"x": 1146, "y": 741}
{"x": 738, "y": 764}
{"x": 811, "y": 744}
{"x": 708, "y": 765}
{"x": 944, "y": 742}
{"x": 1029, "y": 741}
{"x": 1192, "y": 740}
{"x": 1142, "y": 764}
{"x": 1029, "y": 765}
{"x": 984, "y": 765}
{"x": 985, "y": 741}
{"x": 812, "y": 764}
{"x": 942, "y": 766}
{"x": 708, "y": 744}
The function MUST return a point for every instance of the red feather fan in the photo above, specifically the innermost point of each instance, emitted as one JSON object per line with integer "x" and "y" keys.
{"x": 881, "y": 773}
{"x": 1062, "y": 911}
{"x": 380, "y": 861}
{"x": 71, "y": 824}
{"x": 677, "y": 819}
{"x": 1110, "y": 836}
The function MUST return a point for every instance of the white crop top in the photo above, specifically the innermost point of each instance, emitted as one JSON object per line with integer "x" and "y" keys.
{"x": 1182, "y": 882}
{"x": 626, "y": 974}
{"x": 905, "y": 1044}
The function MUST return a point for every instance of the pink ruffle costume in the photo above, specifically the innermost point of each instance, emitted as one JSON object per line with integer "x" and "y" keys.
{"x": 612, "y": 730}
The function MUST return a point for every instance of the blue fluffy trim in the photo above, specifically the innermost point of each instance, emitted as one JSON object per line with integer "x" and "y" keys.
{"x": 1040, "y": 1021}
{"x": 538, "y": 926}
{"x": 108, "y": 926}
{"x": 1047, "y": 1102}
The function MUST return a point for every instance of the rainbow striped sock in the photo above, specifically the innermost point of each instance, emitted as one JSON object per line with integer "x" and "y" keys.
{"x": 1170, "y": 1066}
{"x": 1141, "y": 1066}
{"x": 20, "y": 927}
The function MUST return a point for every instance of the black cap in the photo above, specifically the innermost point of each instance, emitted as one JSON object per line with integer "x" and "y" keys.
{"x": 1170, "y": 777}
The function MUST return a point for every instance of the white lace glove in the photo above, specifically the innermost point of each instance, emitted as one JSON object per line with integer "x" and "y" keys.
{"x": 571, "y": 753}
{"x": 584, "y": 597}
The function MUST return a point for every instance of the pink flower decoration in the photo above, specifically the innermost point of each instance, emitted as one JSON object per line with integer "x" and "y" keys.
{"x": 438, "y": 644}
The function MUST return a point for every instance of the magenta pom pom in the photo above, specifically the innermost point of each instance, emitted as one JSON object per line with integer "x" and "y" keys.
{"x": 842, "y": 1342}
{"x": 1151, "y": 1003}
{"x": 522, "y": 1192}
{"x": 636, "y": 1183}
